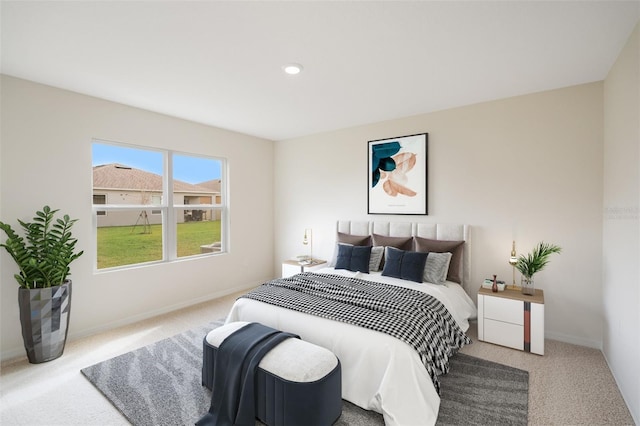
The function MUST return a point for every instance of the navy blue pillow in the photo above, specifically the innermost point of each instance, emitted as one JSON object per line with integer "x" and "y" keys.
{"x": 343, "y": 259}
{"x": 406, "y": 265}
{"x": 353, "y": 258}
{"x": 393, "y": 262}
{"x": 413, "y": 266}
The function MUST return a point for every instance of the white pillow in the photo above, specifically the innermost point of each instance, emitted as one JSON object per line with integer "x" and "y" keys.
{"x": 376, "y": 258}
{"x": 436, "y": 267}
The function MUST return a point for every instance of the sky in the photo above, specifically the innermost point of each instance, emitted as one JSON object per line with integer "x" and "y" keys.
{"x": 190, "y": 169}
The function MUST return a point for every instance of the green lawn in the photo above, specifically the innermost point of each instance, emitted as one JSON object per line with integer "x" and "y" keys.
{"x": 126, "y": 245}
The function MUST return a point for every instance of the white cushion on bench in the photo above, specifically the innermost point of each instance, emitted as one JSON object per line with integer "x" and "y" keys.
{"x": 293, "y": 359}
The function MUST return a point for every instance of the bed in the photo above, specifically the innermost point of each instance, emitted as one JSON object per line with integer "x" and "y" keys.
{"x": 379, "y": 371}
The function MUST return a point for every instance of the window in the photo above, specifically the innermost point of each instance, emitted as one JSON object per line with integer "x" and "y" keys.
{"x": 100, "y": 199}
{"x": 154, "y": 206}
{"x": 156, "y": 200}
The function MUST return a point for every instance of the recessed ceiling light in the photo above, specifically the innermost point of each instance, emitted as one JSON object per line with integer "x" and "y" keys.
{"x": 292, "y": 69}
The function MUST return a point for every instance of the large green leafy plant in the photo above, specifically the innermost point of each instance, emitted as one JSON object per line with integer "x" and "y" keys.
{"x": 536, "y": 260}
{"x": 44, "y": 258}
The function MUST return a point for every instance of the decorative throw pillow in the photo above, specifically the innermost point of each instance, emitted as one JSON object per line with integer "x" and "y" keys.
{"x": 353, "y": 258}
{"x": 406, "y": 265}
{"x": 343, "y": 257}
{"x": 376, "y": 258}
{"x": 402, "y": 243}
{"x": 354, "y": 240}
{"x": 393, "y": 262}
{"x": 442, "y": 246}
{"x": 436, "y": 267}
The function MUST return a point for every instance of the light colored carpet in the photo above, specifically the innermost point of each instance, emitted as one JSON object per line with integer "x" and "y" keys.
{"x": 569, "y": 385}
{"x": 160, "y": 385}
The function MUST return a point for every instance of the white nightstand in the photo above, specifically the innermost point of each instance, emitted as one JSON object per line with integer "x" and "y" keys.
{"x": 510, "y": 318}
{"x": 292, "y": 267}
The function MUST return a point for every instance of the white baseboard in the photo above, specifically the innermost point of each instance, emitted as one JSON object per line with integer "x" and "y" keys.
{"x": 13, "y": 353}
{"x": 155, "y": 313}
{"x": 20, "y": 352}
{"x": 624, "y": 397}
{"x": 573, "y": 340}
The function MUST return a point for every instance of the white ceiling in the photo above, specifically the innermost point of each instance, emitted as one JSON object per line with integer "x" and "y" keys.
{"x": 219, "y": 63}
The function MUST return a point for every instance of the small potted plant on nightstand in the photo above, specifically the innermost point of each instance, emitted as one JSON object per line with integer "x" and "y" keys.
{"x": 534, "y": 262}
{"x": 44, "y": 295}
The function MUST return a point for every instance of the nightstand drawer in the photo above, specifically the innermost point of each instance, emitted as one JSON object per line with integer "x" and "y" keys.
{"x": 510, "y": 318}
{"x": 504, "y": 333}
{"x": 505, "y": 310}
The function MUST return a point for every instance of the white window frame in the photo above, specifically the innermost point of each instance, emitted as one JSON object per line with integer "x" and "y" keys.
{"x": 168, "y": 209}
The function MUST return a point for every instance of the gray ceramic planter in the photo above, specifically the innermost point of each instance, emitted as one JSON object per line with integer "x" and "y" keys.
{"x": 44, "y": 316}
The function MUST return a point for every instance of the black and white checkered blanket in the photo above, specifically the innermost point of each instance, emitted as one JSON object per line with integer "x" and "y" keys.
{"x": 416, "y": 318}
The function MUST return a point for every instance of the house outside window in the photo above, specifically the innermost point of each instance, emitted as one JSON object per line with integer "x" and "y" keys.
{"x": 156, "y": 200}
{"x": 156, "y": 205}
{"x": 100, "y": 199}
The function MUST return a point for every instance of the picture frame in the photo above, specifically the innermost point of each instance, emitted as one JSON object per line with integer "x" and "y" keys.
{"x": 398, "y": 171}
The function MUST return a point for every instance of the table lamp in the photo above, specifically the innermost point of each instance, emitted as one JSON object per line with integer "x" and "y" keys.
{"x": 308, "y": 239}
{"x": 513, "y": 260}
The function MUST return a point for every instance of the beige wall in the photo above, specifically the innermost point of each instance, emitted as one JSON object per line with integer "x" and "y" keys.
{"x": 621, "y": 226}
{"x": 527, "y": 168}
{"x": 46, "y": 159}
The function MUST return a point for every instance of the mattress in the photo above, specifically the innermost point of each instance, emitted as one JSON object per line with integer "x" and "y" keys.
{"x": 379, "y": 372}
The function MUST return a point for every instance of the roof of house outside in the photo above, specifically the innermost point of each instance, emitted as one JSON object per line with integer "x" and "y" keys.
{"x": 122, "y": 177}
{"x": 213, "y": 185}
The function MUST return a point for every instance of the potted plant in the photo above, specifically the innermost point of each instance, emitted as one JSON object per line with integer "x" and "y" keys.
{"x": 534, "y": 262}
{"x": 44, "y": 295}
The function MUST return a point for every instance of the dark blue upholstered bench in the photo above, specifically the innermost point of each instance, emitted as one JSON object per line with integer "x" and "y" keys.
{"x": 298, "y": 383}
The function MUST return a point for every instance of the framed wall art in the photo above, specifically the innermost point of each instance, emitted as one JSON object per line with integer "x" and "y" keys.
{"x": 397, "y": 181}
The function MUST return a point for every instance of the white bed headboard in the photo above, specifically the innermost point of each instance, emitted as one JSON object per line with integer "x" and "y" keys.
{"x": 434, "y": 231}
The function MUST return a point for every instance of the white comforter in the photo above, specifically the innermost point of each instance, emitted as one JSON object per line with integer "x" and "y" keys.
{"x": 379, "y": 372}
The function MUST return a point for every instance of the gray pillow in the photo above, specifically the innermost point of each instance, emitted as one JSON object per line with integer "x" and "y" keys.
{"x": 442, "y": 246}
{"x": 376, "y": 258}
{"x": 436, "y": 267}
